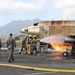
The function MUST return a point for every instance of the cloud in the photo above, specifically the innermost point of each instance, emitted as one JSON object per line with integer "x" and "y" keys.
{"x": 9, "y": 7}
{"x": 67, "y": 7}
{"x": 45, "y": 9}
{"x": 24, "y": 9}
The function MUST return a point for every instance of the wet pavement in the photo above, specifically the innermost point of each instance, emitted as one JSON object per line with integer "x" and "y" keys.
{"x": 48, "y": 61}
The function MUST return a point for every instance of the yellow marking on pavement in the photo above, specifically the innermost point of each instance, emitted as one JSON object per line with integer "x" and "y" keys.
{"x": 39, "y": 69}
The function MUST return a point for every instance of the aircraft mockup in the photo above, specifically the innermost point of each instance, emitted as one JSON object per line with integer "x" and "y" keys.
{"x": 47, "y": 28}
{"x": 53, "y": 32}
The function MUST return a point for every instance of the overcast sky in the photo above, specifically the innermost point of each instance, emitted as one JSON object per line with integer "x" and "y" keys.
{"x": 29, "y": 9}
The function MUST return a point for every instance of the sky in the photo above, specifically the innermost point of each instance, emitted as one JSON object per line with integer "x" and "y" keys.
{"x": 30, "y": 9}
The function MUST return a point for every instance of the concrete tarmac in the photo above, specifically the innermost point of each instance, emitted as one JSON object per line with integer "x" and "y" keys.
{"x": 40, "y": 64}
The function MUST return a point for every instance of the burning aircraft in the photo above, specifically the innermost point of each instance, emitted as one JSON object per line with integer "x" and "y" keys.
{"x": 57, "y": 33}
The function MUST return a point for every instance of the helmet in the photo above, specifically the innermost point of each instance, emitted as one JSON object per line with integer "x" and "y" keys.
{"x": 30, "y": 35}
{"x": 34, "y": 35}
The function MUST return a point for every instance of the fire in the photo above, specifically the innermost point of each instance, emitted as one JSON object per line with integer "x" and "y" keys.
{"x": 59, "y": 47}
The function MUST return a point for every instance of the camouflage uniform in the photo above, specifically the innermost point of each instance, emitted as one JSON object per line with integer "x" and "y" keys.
{"x": 11, "y": 44}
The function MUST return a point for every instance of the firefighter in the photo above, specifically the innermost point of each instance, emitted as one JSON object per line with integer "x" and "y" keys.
{"x": 67, "y": 53}
{"x": 11, "y": 44}
{"x": 29, "y": 45}
{"x": 34, "y": 44}
{"x": 23, "y": 45}
{"x": 38, "y": 46}
{"x": 0, "y": 44}
{"x": 73, "y": 51}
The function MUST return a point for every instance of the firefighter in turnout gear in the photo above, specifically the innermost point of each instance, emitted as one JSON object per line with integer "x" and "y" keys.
{"x": 23, "y": 45}
{"x": 34, "y": 44}
{"x": 29, "y": 45}
{"x": 11, "y": 44}
{"x": 0, "y": 44}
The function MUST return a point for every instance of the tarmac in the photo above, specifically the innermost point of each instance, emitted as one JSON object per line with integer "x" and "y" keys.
{"x": 40, "y": 64}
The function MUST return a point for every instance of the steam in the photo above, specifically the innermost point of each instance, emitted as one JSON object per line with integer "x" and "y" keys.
{"x": 54, "y": 39}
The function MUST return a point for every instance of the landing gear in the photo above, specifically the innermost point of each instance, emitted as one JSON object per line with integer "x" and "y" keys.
{"x": 67, "y": 54}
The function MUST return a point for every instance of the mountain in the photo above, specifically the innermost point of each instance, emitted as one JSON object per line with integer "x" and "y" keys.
{"x": 15, "y": 27}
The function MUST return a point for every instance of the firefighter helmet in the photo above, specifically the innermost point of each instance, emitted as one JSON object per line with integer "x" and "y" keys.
{"x": 34, "y": 35}
{"x": 30, "y": 35}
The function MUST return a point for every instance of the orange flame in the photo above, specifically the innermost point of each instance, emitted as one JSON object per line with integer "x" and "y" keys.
{"x": 59, "y": 47}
